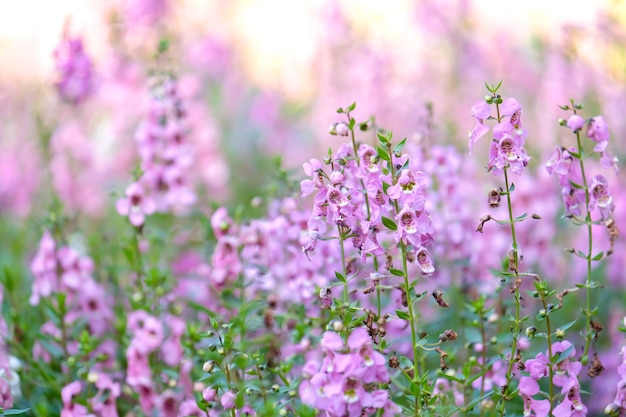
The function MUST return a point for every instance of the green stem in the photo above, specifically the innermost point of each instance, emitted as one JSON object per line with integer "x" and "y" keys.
{"x": 551, "y": 371}
{"x": 369, "y": 213}
{"x": 590, "y": 250}
{"x": 517, "y": 324}
{"x": 407, "y": 289}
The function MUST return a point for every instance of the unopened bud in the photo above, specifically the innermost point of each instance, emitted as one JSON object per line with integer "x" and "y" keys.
{"x": 337, "y": 326}
{"x": 275, "y": 388}
{"x": 342, "y": 129}
{"x": 560, "y": 333}
{"x": 283, "y": 412}
{"x": 208, "y": 367}
{"x": 92, "y": 377}
{"x": 332, "y": 129}
{"x": 531, "y": 331}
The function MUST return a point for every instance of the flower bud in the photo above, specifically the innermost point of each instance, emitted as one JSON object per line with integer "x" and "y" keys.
{"x": 209, "y": 395}
{"x": 208, "y": 367}
{"x": 342, "y": 129}
{"x": 337, "y": 326}
{"x": 92, "y": 377}
{"x": 531, "y": 331}
{"x": 332, "y": 129}
{"x": 275, "y": 388}
{"x": 560, "y": 333}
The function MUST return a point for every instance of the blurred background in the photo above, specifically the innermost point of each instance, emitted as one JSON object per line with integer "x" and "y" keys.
{"x": 264, "y": 77}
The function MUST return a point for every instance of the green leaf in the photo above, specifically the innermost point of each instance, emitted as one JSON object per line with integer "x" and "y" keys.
{"x": 575, "y": 185}
{"x": 566, "y": 326}
{"x": 511, "y": 188}
{"x": 522, "y": 217}
{"x": 389, "y": 223}
{"x": 351, "y": 107}
{"x": 598, "y": 256}
{"x": 402, "y": 314}
{"x": 382, "y": 138}
{"x": 340, "y": 277}
{"x": 397, "y": 272}
{"x": 15, "y": 411}
{"x": 399, "y": 146}
{"x": 383, "y": 154}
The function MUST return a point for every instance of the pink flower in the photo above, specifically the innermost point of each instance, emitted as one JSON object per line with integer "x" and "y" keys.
{"x": 228, "y": 400}
{"x": 74, "y": 72}
{"x": 480, "y": 111}
{"x": 136, "y": 205}
{"x": 600, "y": 196}
{"x": 575, "y": 122}
{"x": 598, "y": 131}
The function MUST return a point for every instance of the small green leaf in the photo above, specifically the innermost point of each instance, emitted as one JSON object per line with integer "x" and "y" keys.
{"x": 402, "y": 314}
{"x": 15, "y": 411}
{"x": 340, "y": 277}
{"x": 399, "y": 146}
{"x": 566, "y": 326}
{"x": 576, "y": 185}
{"x": 598, "y": 256}
{"x": 522, "y": 217}
{"x": 511, "y": 188}
{"x": 383, "y": 154}
{"x": 351, "y": 107}
{"x": 389, "y": 223}
{"x": 382, "y": 138}
{"x": 396, "y": 272}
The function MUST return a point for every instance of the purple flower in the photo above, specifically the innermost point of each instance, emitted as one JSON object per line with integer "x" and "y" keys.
{"x": 575, "y": 122}
{"x": 600, "y": 196}
{"x": 480, "y": 111}
{"x": 136, "y": 205}
{"x": 228, "y": 400}
{"x": 598, "y": 131}
{"x": 74, "y": 73}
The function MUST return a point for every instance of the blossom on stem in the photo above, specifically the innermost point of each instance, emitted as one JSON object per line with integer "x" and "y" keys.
{"x": 135, "y": 205}
{"x": 74, "y": 70}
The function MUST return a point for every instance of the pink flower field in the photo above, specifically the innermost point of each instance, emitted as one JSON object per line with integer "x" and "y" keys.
{"x": 317, "y": 208}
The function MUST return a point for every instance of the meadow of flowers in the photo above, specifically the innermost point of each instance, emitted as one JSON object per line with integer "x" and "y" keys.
{"x": 428, "y": 226}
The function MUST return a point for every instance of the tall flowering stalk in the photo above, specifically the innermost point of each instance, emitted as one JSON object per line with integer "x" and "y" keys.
{"x": 585, "y": 196}
{"x": 506, "y": 153}
{"x": 369, "y": 191}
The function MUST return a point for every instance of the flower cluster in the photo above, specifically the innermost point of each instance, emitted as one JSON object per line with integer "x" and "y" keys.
{"x": 63, "y": 270}
{"x": 565, "y": 371}
{"x": 346, "y": 382}
{"x": 166, "y": 157}
{"x": 564, "y": 163}
{"x": 151, "y": 337}
{"x": 507, "y": 146}
{"x": 74, "y": 70}
{"x": 394, "y": 190}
